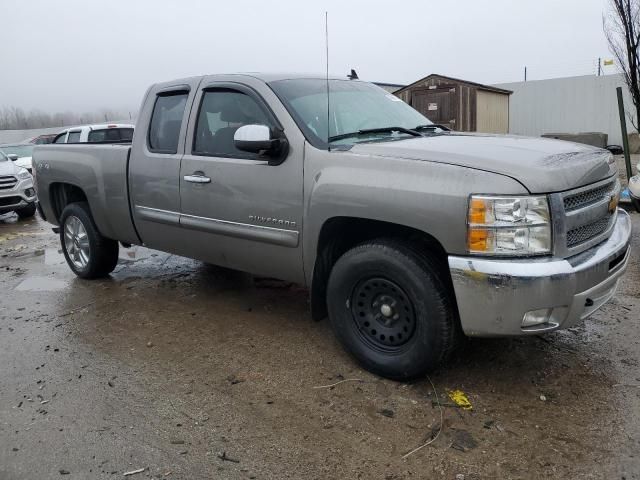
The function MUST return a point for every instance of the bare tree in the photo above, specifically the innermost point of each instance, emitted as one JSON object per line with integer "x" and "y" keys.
{"x": 15, "y": 118}
{"x": 622, "y": 29}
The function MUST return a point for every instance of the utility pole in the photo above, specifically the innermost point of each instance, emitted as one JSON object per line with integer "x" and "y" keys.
{"x": 625, "y": 134}
{"x": 599, "y": 66}
{"x": 525, "y": 74}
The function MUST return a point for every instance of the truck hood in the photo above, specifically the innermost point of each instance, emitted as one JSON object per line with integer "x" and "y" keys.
{"x": 542, "y": 165}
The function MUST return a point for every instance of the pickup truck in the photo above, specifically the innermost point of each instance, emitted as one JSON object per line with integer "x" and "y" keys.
{"x": 407, "y": 235}
{"x": 109, "y": 133}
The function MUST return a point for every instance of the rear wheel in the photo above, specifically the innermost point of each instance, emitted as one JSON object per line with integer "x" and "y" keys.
{"x": 27, "y": 212}
{"x": 88, "y": 253}
{"x": 390, "y": 309}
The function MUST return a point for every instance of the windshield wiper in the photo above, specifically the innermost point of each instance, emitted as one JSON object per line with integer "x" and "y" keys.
{"x": 367, "y": 131}
{"x": 432, "y": 126}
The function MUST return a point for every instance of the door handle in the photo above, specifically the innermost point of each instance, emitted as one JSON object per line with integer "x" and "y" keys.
{"x": 197, "y": 179}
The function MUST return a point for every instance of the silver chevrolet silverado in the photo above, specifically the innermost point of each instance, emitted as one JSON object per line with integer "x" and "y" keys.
{"x": 407, "y": 235}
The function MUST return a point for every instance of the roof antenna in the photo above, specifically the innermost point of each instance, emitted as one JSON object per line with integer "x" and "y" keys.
{"x": 326, "y": 41}
{"x": 353, "y": 75}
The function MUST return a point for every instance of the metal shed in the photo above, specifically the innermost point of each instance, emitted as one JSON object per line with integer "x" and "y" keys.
{"x": 459, "y": 104}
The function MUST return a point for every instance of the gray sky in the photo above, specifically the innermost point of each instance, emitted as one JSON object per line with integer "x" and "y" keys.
{"x": 82, "y": 55}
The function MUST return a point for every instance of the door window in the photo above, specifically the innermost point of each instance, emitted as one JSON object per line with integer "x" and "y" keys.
{"x": 74, "y": 137}
{"x": 222, "y": 112}
{"x": 60, "y": 138}
{"x": 166, "y": 120}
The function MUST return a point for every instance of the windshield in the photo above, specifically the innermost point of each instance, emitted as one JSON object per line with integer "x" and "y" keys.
{"x": 355, "y": 106}
{"x": 19, "y": 150}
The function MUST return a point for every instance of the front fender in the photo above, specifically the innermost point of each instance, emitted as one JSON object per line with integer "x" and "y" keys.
{"x": 430, "y": 197}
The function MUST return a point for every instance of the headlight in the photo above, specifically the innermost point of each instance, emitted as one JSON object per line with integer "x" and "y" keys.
{"x": 508, "y": 225}
{"x": 24, "y": 174}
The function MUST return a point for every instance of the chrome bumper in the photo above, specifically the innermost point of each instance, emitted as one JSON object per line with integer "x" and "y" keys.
{"x": 493, "y": 296}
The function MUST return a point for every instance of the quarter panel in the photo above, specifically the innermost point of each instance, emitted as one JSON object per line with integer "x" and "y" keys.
{"x": 100, "y": 172}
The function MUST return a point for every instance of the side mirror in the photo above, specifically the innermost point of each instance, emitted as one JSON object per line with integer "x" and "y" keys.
{"x": 258, "y": 139}
{"x": 13, "y": 157}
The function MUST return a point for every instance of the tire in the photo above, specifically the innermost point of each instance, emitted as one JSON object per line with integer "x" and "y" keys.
{"x": 88, "y": 253}
{"x": 390, "y": 309}
{"x": 27, "y": 212}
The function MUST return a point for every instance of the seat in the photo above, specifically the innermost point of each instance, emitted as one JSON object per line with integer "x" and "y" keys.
{"x": 238, "y": 111}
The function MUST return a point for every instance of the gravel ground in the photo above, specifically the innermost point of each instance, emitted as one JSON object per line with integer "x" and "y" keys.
{"x": 192, "y": 372}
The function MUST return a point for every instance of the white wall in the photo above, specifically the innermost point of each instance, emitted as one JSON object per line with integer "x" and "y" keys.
{"x": 568, "y": 105}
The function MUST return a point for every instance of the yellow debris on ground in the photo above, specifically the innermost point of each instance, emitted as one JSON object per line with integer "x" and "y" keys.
{"x": 460, "y": 399}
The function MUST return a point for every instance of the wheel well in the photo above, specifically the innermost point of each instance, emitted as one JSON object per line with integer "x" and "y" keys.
{"x": 62, "y": 194}
{"x": 340, "y": 234}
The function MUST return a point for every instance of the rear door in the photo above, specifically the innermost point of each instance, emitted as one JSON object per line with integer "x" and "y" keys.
{"x": 237, "y": 210}
{"x": 154, "y": 166}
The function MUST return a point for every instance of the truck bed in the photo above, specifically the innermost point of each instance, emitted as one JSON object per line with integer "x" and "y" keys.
{"x": 101, "y": 171}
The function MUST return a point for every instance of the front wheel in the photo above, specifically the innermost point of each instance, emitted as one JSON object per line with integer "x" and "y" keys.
{"x": 390, "y": 309}
{"x": 88, "y": 253}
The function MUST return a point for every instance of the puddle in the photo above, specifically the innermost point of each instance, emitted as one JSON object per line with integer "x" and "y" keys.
{"x": 41, "y": 284}
{"x": 53, "y": 256}
{"x": 136, "y": 253}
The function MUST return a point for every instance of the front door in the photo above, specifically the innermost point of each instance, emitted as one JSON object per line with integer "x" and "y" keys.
{"x": 238, "y": 210}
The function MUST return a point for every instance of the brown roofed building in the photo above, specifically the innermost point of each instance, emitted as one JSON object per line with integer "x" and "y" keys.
{"x": 459, "y": 104}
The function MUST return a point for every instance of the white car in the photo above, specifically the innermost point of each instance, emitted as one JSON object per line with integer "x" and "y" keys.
{"x": 108, "y": 132}
{"x": 634, "y": 189}
{"x": 17, "y": 193}
{"x": 20, "y": 153}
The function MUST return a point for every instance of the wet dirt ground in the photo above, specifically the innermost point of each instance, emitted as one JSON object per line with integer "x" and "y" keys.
{"x": 192, "y": 372}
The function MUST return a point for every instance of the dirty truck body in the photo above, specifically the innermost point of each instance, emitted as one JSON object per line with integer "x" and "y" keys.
{"x": 407, "y": 236}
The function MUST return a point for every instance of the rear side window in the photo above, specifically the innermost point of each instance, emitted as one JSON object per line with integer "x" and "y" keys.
{"x": 74, "y": 137}
{"x": 126, "y": 134}
{"x": 166, "y": 120}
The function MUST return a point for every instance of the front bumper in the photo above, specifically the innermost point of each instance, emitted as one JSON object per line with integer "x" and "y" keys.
{"x": 17, "y": 197}
{"x": 493, "y": 296}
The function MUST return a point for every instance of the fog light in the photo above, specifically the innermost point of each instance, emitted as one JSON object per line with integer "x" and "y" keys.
{"x": 29, "y": 192}
{"x": 537, "y": 317}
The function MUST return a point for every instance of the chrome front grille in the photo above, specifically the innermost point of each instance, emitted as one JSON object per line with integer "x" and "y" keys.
{"x": 588, "y": 197}
{"x": 8, "y": 182}
{"x": 583, "y": 217}
{"x": 585, "y": 233}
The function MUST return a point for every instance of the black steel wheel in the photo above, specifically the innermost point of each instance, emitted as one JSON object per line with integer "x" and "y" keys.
{"x": 383, "y": 312}
{"x": 391, "y": 309}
